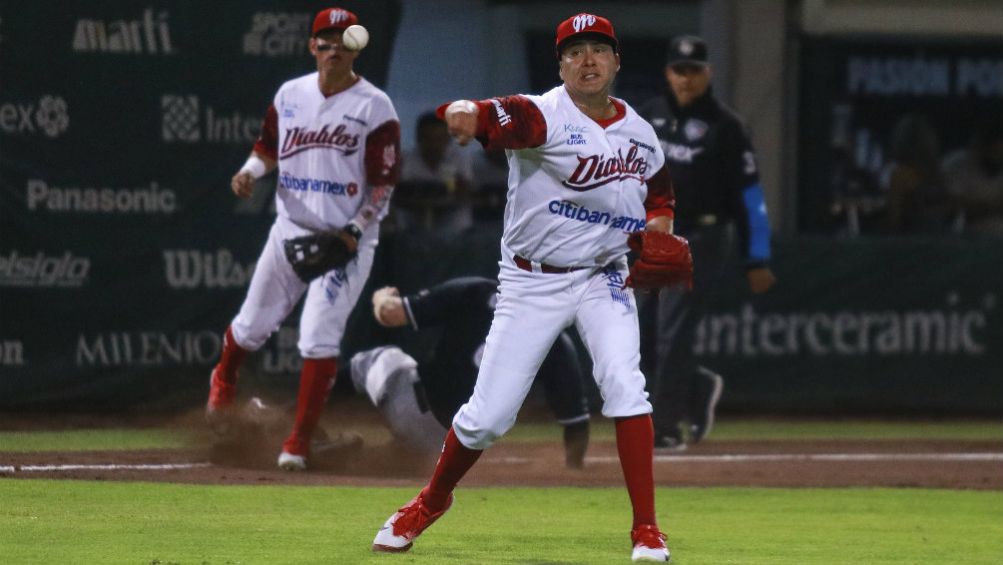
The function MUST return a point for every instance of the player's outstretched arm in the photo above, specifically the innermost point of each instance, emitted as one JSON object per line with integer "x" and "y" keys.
{"x": 510, "y": 122}
{"x": 257, "y": 166}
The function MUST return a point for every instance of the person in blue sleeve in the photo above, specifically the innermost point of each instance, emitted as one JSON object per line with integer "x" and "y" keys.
{"x": 719, "y": 200}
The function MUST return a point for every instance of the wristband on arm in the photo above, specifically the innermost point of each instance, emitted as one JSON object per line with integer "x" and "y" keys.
{"x": 255, "y": 166}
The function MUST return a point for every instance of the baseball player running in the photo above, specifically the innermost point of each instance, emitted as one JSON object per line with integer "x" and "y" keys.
{"x": 419, "y": 402}
{"x": 335, "y": 139}
{"x": 586, "y": 172}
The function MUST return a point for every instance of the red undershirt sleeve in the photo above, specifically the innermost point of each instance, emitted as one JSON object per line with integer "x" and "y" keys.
{"x": 510, "y": 122}
{"x": 268, "y": 140}
{"x": 661, "y": 199}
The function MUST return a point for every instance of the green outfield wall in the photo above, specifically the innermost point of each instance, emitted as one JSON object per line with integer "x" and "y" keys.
{"x": 123, "y": 254}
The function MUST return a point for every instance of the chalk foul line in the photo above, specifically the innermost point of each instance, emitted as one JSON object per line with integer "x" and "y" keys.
{"x": 675, "y": 458}
{"x": 101, "y": 467}
{"x": 783, "y": 457}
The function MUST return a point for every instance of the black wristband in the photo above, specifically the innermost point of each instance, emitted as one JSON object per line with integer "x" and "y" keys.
{"x": 354, "y": 231}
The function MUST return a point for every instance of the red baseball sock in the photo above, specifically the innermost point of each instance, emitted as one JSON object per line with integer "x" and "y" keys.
{"x": 635, "y": 443}
{"x": 316, "y": 380}
{"x": 230, "y": 359}
{"x": 454, "y": 462}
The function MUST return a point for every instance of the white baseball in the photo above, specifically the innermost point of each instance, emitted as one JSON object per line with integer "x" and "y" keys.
{"x": 465, "y": 106}
{"x": 355, "y": 37}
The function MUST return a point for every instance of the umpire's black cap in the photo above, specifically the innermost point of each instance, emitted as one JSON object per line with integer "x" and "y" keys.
{"x": 687, "y": 49}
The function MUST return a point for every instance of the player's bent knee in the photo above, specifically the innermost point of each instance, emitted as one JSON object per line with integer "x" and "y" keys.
{"x": 474, "y": 438}
{"x": 245, "y": 337}
{"x": 478, "y": 435}
{"x": 621, "y": 401}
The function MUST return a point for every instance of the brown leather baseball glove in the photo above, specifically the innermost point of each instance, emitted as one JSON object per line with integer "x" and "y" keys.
{"x": 662, "y": 260}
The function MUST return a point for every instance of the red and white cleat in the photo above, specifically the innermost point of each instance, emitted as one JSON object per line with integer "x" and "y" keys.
{"x": 400, "y": 530}
{"x": 649, "y": 544}
{"x": 291, "y": 462}
{"x": 295, "y": 451}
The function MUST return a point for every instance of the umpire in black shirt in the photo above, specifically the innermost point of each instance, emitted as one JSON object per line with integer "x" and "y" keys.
{"x": 719, "y": 202}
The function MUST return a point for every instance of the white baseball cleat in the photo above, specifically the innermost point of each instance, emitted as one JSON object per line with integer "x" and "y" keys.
{"x": 400, "y": 530}
{"x": 649, "y": 544}
{"x": 291, "y": 462}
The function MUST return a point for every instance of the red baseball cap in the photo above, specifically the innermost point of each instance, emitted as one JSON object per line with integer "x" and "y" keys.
{"x": 333, "y": 18}
{"x": 585, "y": 26}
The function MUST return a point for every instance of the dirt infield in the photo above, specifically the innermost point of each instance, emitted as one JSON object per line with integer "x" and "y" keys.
{"x": 917, "y": 463}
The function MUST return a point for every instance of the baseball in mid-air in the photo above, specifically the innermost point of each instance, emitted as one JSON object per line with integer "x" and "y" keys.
{"x": 355, "y": 37}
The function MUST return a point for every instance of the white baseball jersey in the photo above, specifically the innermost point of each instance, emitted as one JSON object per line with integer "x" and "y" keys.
{"x": 337, "y": 159}
{"x": 328, "y": 149}
{"x": 576, "y": 188}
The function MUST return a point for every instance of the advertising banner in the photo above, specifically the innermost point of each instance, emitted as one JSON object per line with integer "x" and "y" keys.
{"x": 123, "y": 253}
{"x": 862, "y": 101}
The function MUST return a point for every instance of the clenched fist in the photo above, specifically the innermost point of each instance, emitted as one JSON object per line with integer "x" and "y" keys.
{"x": 461, "y": 120}
{"x": 388, "y": 307}
{"x": 242, "y": 184}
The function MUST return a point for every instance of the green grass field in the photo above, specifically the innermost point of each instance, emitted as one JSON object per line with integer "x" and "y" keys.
{"x": 602, "y": 430}
{"x": 76, "y": 522}
{"x": 86, "y": 522}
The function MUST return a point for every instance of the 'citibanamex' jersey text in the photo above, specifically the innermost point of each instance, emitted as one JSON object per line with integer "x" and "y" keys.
{"x": 576, "y": 187}
{"x": 329, "y": 149}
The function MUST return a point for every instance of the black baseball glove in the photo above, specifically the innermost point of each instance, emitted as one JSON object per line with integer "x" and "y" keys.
{"x": 313, "y": 255}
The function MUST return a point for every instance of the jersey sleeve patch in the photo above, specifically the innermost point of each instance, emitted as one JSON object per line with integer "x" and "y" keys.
{"x": 511, "y": 122}
{"x": 383, "y": 154}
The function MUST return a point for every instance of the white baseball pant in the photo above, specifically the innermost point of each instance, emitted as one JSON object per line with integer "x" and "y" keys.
{"x": 533, "y": 308}
{"x": 275, "y": 289}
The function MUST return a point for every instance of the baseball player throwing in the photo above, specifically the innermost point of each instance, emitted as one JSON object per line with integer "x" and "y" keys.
{"x": 586, "y": 172}
{"x": 335, "y": 139}
{"x": 419, "y": 402}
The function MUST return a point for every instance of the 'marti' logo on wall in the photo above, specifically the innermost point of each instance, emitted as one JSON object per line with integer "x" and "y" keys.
{"x": 150, "y": 34}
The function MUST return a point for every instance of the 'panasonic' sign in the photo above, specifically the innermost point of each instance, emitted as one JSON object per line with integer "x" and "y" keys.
{"x": 149, "y": 199}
